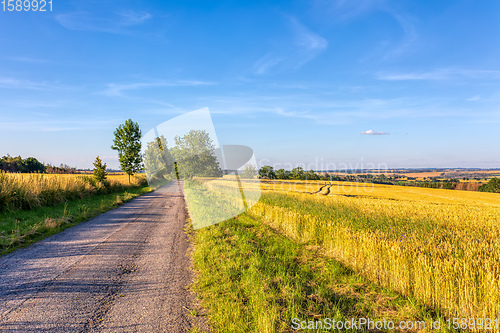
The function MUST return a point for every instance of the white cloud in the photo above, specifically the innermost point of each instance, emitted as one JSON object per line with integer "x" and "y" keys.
{"x": 441, "y": 74}
{"x": 343, "y": 10}
{"x": 116, "y": 23}
{"x": 372, "y": 132}
{"x": 410, "y": 34}
{"x": 474, "y": 98}
{"x": 303, "y": 46}
{"x": 117, "y": 89}
{"x": 6, "y": 82}
{"x": 264, "y": 64}
{"x": 309, "y": 43}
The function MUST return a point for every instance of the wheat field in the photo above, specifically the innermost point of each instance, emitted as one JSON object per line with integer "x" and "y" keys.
{"x": 26, "y": 191}
{"x": 439, "y": 246}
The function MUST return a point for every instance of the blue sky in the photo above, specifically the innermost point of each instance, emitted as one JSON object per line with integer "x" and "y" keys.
{"x": 298, "y": 81}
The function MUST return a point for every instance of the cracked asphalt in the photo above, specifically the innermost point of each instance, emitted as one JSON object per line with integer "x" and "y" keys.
{"x": 123, "y": 271}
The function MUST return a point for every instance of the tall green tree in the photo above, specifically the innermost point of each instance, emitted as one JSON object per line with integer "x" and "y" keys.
{"x": 128, "y": 144}
{"x": 99, "y": 170}
{"x": 194, "y": 154}
{"x": 267, "y": 171}
{"x": 158, "y": 162}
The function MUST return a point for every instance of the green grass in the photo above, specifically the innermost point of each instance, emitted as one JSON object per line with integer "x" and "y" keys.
{"x": 21, "y": 228}
{"x": 251, "y": 278}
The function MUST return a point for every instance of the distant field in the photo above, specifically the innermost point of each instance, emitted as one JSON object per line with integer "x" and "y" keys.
{"x": 445, "y": 174}
{"x": 439, "y": 246}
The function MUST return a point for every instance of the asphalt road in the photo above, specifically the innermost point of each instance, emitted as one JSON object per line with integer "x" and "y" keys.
{"x": 123, "y": 271}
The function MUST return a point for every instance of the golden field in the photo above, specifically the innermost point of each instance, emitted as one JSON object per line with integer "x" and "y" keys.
{"x": 27, "y": 191}
{"x": 440, "y": 246}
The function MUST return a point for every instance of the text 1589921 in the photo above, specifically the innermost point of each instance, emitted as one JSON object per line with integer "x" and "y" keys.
{"x": 26, "y": 5}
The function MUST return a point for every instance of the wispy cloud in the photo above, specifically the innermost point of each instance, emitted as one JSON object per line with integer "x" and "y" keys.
{"x": 303, "y": 47}
{"x": 344, "y": 10}
{"x": 264, "y": 64}
{"x": 441, "y": 74}
{"x": 27, "y": 59}
{"x": 409, "y": 37}
{"x": 11, "y": 83}
{"x": 347, "y": 9}
{"x": 117, "y": 89}
{"x": 115, "y": 23}
{"x": 309, "y": 44}
{"x": 474, "y": 98}
{"x": 372, "y": 132}
{"x": 58, "y": 125}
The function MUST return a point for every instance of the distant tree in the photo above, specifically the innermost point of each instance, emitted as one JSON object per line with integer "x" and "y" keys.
{"x": 267, "y": 172}
{"x": 18, "y": 164}
{"x": 492, "y": 186}
{"x": 33, "y": 165}
{"x": 99, "y": 170}
{"x": 311, "y": 175}
{"x": 194, "y": 154}
{"x": 128, "y": 144}
{"x": 282, "y": 174}
{"x": 249, "y": 172}
{"x": 298, "y": 173}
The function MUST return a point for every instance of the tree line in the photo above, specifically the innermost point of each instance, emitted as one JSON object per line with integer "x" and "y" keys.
{"x": 193, "y": 154}
{"x": 298, "y": 173}
{"x": 31, "y": 165}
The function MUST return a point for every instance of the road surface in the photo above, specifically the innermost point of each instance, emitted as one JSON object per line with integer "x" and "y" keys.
{"x": 123, "y": 271}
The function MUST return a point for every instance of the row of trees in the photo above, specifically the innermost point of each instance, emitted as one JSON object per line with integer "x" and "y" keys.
{"x": 297, "y": 173}
{"x": 192, "y": 155}
{"x": 18, "y": 164}
{"x": 31, "y": 165}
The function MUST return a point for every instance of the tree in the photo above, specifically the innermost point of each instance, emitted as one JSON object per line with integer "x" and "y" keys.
{"x": 128, "y": 144}
{"x": 99, "y": 170}
{"x": 33, "y": 165}
{"x": 18, "y": 164}
{"x": 267, "y": 172}
{"x": 282, "y": 174}
{"x": 311, "y": 175}
{"x": 249, "y": 172}
{"x": 158, "y": 162}
{"x": 298, "y": 173}
{"x": 492, "y": 186}
{"x": 194, "y": 154}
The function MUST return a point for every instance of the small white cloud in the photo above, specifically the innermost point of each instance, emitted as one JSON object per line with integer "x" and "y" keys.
{"x": 372, "y": 132}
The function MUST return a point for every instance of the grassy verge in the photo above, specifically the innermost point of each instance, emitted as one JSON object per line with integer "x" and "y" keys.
{"x": 21, "y": 228}
{"x": 251, "y": 278}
